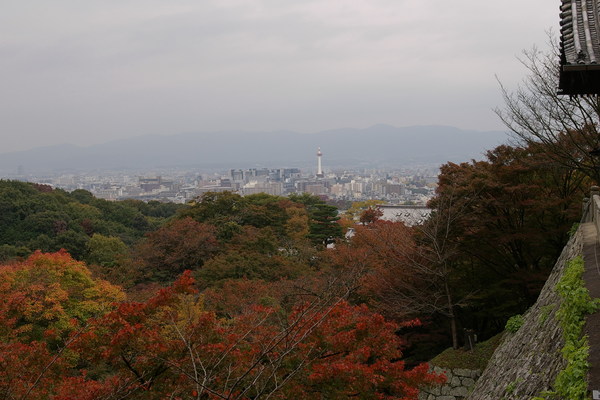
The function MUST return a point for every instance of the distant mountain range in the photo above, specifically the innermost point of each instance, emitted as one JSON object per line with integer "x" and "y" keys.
{"x": 376, "y": 146}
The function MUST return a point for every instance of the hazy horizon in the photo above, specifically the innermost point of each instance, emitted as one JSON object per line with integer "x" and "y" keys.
{"x": 376, "y": 145}
{"x": 236, "y": 131}
{"x": 91, "y": 72}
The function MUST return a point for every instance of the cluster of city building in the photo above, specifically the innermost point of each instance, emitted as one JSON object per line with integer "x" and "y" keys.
{"x": 396, "y": 187}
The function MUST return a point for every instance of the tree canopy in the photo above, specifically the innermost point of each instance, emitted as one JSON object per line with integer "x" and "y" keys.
{"x": 38, "y": 217}
{"x": 67, "y": 336}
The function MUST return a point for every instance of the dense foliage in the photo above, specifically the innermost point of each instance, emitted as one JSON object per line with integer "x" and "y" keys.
{"x": 496, "y": 229}
{"x": 513, "y": 215}
{"x": 68, "y": 336}
{"x": 37, "y": 217}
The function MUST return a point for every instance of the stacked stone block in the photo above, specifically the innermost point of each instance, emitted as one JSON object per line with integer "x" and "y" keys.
{"x": 459, "y": 384}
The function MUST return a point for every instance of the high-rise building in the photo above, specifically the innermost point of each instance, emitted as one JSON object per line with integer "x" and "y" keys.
{"x": 319, "y": 167}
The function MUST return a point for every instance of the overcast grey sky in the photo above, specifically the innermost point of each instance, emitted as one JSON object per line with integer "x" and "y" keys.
{"x": 86, "y": 72}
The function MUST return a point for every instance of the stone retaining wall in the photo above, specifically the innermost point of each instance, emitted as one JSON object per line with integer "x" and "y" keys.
{"x": 527, "y": 362}
{"x": 459, "y": 385}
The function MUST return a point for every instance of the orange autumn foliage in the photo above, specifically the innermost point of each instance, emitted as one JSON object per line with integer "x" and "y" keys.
{"x": 170, "y": 346}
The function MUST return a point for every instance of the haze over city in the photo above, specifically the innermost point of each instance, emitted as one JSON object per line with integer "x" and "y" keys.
{"x": 90, "y": 72}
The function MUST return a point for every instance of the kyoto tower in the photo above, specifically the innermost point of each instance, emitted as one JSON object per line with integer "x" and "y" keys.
{"x": 319, "y": 168}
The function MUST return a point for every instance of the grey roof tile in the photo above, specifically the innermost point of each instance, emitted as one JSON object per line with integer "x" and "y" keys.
{"x": 580, "y": 47}
{"x": 580, "y": 41}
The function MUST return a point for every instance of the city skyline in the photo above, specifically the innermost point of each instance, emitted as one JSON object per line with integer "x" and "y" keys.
{"x": 394, "y": 187}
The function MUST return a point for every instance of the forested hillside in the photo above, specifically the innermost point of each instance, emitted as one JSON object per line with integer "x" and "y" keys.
{"x": 38, "y": 217}
{"x": 244, "y": 297}
{"x": 236, "y": 301}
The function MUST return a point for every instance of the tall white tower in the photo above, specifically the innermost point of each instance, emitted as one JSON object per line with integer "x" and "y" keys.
{"x": 319, "y": 168}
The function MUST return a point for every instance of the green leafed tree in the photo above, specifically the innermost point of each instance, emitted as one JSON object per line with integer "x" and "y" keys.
{"x": 216, "y": 208}
{"x": 323, "y": 226}
{"x": 105, "y": 250}
{"x": 323, "y": 223}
